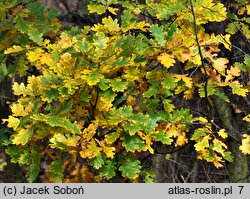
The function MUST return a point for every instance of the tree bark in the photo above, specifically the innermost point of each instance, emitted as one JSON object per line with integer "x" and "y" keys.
{"x": 238, "y": 169}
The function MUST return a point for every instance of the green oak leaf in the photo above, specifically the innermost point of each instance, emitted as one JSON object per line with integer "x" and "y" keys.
{"x": 3, "y": 71}
{"x": 158, "y": 33}
{"x": 34, "y": 167}
{"x": 131, "y": 128}
{"x": 169, "y": 82}
{"x": 198, "y": 133}
{"x": 118, "y": 86}
{"x": 98, "y": 162}
{"x": 148, "y": 175}
{"x": 228, "y": 156}
{"x": 162, "y": 137}
{"x": 36, "y": 36}
{"x": 108, "y": 170}
{"x": 14, "y": 152}
{"x": 56, "y": 169}
{"x": 112, "y": 137}
{"x": 132, "y": 143}
{"x": 25, "y": 158}
{"x": 50, "y": 94}
{"x": 131, "y": 168}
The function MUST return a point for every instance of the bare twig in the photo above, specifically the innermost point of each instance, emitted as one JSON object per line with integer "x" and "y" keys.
{"x": 7, "y": 98}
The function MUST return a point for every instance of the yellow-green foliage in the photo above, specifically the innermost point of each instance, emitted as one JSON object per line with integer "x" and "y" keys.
{"x": 105, "y": 93}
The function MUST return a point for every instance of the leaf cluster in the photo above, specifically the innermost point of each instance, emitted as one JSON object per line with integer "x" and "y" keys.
{"x": 105, "y": 94}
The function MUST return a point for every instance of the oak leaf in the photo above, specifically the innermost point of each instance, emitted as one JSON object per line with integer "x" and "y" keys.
{"x": 220, "y": 64}
{"x": 222, "y": 133}
{"x": 245, "y": 147}
{"x": 23, "y": 136}
{"x": 166, "y": 60}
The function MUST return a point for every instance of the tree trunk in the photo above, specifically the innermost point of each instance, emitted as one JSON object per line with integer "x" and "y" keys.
{"x": 159, "y": 165}
{"x": 238, "y": 169}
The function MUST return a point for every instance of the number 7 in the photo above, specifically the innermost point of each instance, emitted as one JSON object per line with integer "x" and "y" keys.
{"x": 241, "y": 188}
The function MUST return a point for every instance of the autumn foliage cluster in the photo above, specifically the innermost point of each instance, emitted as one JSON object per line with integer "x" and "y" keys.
{"x": 94, "y": 100}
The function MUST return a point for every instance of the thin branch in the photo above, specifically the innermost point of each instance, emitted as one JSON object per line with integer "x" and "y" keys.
{"x": 175, "y": 162}
{"x": 205, "y": 171}
{"x": 7, "y": 98}
{"x": 201, "y": 57}
{"x": 236, "y": 47}
{"x": 93, "y": 106}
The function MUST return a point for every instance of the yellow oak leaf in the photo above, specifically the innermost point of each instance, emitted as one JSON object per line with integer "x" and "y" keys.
{"x": 149, "y": 148}
{"x": 147, "y": 138}
{"x": 166, "y": 60}
{"x": 242, "y": 10}
{"x": 105, "y": 102}
{"x": 34, "y": 55}
{"x": 195, "y": 58}
{"x": 91, "y": 151}
{"x": 13, "y": 49}
{"x": 202, "y": 155}
{"x": 90, "y": 131}
{"x": 187, "y": 80}
{"x": 109, "y": 151}
{"x": 222, "y": 133}
{"x": 202, "y": 120}
{"x": 19, "y": 89}
{"x": 142, "y": 25}
{"x": 86, "y": 153}
{"x": 228, "y": 78}
{"x": 22, "y": 137}
{"x": 247, "y": 118}
{"x": 110, "y": 24}
{"x": 172, "y": 132}
{"x": 181, "y": 140}
{"x": 234, "y": 71}
{"x": 66, "y": 41}
{"x": 226, "y": 41}
{"x": 112, "y": 10}
{"x": 248, "y": 9}
{"x": 217, "y": 161}
{"x": 183, "y": 56}
{"x": 18, "y": 110}
{"x": 13, "y": 122}
{"x": 245, "y": 147}
{"x": 220, "y": 64}
{"x": 188, "y": 94}
{"x": 219, "y": 146}
{"x": 46, "y": 59}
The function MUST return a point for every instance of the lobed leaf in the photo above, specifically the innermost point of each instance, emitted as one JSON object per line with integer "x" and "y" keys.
{"x": 130, "y": 168}
{"x": 55, "y": 121}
